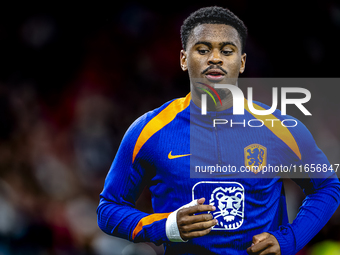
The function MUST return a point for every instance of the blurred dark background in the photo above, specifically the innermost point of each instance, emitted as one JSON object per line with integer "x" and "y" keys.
{"x": 74, "y": 77}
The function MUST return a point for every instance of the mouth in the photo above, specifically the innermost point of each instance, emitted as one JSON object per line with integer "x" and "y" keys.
{"x": 214, "y": 75}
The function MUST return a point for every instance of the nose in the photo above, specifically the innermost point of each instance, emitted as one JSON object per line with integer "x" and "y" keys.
{"x": 215, "y": 58}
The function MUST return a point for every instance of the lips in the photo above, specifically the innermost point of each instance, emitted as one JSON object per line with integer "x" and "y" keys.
{"x": 214, "y": 75}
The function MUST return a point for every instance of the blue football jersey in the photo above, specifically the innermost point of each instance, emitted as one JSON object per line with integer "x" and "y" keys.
{"x": 237, "y": 167}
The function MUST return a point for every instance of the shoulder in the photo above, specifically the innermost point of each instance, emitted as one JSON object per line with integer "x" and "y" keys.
{"x": 292, "y": 123}
{"x": 146, "y": 126}
{"x": 137, "y": 126}
{"x": 161, "y": 115}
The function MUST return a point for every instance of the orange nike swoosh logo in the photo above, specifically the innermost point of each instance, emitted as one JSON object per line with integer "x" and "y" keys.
{"x": 177, "y": 156}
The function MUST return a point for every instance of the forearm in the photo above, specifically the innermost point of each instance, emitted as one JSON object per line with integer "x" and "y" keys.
{"x": 129, "y": 223}
{"x": 316, "y": 210}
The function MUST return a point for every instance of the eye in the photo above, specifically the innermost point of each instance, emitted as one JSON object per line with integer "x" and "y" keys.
{"x": 227, "y": 52}
{"x": 202, "y": 52}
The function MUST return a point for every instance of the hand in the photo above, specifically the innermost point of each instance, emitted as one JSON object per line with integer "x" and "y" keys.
{"x": 264, "y": 243}
{"x": 190, "y": 225}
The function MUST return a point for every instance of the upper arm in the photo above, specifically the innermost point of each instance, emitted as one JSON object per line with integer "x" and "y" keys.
{"x": 315, "y": 168}
{"x": 125, "y": 179}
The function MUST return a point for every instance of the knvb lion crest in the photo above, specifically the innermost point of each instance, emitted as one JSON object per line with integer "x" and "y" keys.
{"x": 255, "y": 157}
{"x": 229, "y": 203}
{"x": 227, "y": 197}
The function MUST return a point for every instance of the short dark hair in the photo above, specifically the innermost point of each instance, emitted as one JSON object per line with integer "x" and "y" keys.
{"x": 213, "y": 15}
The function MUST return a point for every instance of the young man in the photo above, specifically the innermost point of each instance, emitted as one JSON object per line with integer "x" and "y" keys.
{"x": 242, "y": 214}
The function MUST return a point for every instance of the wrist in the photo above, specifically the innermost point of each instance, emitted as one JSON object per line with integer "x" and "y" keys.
{"x": 171, "y": 226}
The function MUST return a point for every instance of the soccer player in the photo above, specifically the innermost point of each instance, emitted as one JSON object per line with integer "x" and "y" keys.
{"x": 230, "y": 214}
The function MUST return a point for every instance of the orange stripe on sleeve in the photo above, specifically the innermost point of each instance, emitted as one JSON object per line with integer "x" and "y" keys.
{"x": 280, "y": 131}
{"x": 147, "y": 221}
{"x": 159, "y": 121}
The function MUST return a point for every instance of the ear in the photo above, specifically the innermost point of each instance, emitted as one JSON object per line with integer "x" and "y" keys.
{"x": 183, "y": 60}
{"x": 243, "y": 62}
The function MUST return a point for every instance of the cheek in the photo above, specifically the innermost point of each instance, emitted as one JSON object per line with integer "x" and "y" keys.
{"x": 234, "y": 65}
{"x": 194, "y": 66}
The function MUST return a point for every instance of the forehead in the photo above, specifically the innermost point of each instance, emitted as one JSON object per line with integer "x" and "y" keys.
{"x": 214, "y": 33}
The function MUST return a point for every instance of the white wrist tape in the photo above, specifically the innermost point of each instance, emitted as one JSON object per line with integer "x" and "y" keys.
{"x": 171, "y": 227}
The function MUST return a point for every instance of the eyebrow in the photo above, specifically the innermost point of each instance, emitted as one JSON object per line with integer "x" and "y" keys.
{"x": 222, "y": 44}
{"x": 228, "y": 43}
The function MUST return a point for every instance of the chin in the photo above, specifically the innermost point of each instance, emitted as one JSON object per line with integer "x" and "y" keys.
{"x": 232, "y": 81}
{"x": 226, "y": 80}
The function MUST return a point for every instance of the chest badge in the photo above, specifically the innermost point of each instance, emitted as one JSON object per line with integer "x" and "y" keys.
{"x": 255, "y": 157}
{"x": 229, "y": 200}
